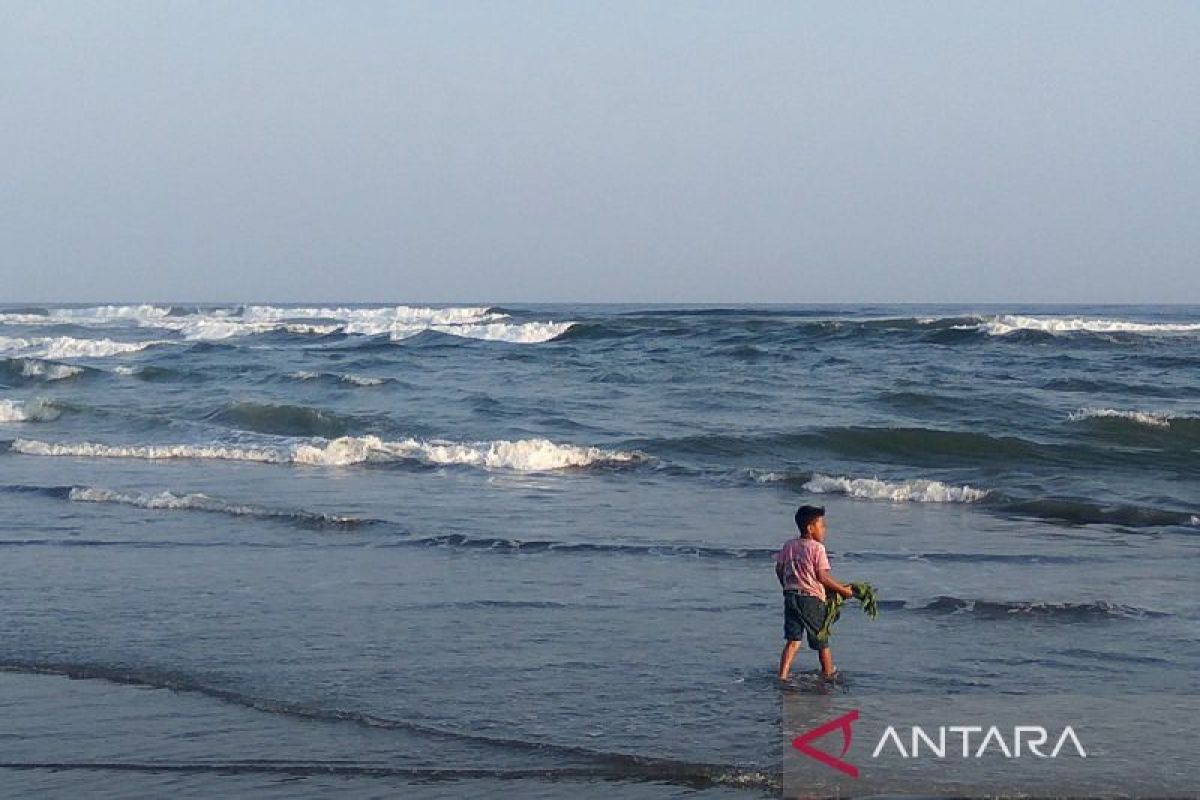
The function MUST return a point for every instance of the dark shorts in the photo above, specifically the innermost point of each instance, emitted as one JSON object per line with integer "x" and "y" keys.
{"x": 803, "y": 613}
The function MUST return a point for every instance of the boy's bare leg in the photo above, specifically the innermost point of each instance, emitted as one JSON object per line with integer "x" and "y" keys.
{"x": 785, "y": 659}
{"x": 827, "y": 670}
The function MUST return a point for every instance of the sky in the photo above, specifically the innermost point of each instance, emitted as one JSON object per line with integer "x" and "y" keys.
{"x": 609, "y": 151}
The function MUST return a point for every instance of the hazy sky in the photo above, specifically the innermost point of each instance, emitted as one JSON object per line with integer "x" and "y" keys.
{"x": 572, "y": 151}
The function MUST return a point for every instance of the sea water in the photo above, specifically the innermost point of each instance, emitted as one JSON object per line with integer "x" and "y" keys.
{"x": 473, "y": 550}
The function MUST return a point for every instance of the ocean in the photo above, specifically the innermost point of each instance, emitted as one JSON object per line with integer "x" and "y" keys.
{"x": 440, "y": 551}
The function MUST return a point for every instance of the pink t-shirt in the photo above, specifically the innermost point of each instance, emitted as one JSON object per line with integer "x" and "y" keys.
{"x": 802, "y": 559}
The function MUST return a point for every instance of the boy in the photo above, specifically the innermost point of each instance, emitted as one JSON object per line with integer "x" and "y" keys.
{"x": 803, "y": 571}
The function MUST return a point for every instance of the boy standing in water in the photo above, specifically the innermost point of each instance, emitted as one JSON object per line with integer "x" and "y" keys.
{"x": 803, "y": 571}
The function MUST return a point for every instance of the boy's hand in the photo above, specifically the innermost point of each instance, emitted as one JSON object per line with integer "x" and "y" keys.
{"x": 847, "y": 592}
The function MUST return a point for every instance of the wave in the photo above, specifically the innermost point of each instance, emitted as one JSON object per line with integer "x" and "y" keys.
{"x": 39, "y": 410}
{"x": 1167, "y": 431}
{"x": 1153, "y": 418}
{"x": 282, "y": 420}
{"x": 916, "y": 491}
{"x": 615, "y": 765}
{"x": 1009, "y": 323}
{"x": 506, "y": 545}
{"x": 927, "y": 445}
{"x": 217, "y": 329}
{"x": 1144, "y": 420}
{"x": 303, "y": 769}
{"x": 84, "y": 316}
{"x": 166, "y": 500}
{"x": 930, "y": 447}
{"x": 1052, "y": 509}
{"x": 58, "y": 347}
{"x": 1065, "y": 612}
{"x": 354, "y": 380}
{"x": 372, "y": 321}
{"x": 397, "y": 322}
{"x": 1083, "y": 512}
{"x": 520, "y": 333}
{"x": 1118, "y": 388}
{"x": 151, "y": 373}
{"x": 47, "y": 371}
{"x": 526, "y": 455}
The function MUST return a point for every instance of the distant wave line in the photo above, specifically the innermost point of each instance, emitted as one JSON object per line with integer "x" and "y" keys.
{"x": 524, "y": 455}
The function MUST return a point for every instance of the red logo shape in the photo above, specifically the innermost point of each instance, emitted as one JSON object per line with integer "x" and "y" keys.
{"x": 843, "y": 722}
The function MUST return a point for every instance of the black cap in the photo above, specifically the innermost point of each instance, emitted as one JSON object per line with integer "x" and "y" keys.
{"x": 806, "y": 514}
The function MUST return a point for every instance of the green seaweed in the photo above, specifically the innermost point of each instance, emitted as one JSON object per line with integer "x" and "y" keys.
{"x": 864, "y": 593}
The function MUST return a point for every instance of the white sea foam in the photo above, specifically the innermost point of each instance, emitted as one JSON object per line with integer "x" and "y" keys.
{"x": 138, "y": 312}
{"x": 915, "y": 491}
{"x": 373, "y": 321}
{"x": 90, "y": 494}
{"x": 361, "y": 380}
{"x": 1154, "y": 419}
{"x": 28, "y": 411}
{"x": 95, "y": 315}
{"x": 522, "y": 333}
{"x": 50, "y": 372}
{"x": 214, "y": 329}
{"x": 1008, "y": 323}
{"x": 397, "y": 322}
{"x": 356, "y": 380}
{"x": 34, "y": 447}
{"x": 194, "y": 502}
{"x": 69, "y": 347}
{"x": 528, "y": 455}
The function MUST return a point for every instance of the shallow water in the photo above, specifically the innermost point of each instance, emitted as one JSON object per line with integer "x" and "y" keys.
{"x": 496, "y": 550}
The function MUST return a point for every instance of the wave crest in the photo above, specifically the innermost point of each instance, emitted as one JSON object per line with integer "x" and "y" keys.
{"x": 396, "y": 322}
{"x": 56, "y": 347}
{"x": 1155, "y": 419}
{"x": 47, "y": 371}
{"x": 39, "y": 410}
{"x": 202, "y": 502}
{"x": 1006, "y": 324}
{"x": 525, "y": 455}
{"x": 915, "y": 491}
{"x": 283, "y": 420}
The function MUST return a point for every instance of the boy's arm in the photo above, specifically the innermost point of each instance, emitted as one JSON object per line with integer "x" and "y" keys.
{"x": 827, "y": 580}
{"x": 779, "y": 571}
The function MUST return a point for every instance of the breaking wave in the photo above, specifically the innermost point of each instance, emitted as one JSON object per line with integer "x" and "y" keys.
{"x": 525, "y": 455}
{"x": 48, "y": 371}
{"x": 397, "y": 322}
{"x": 915, "y": 491}
{"x": 28, "y": 411}
{"x": 1051, "y": 509}
{"x": 352, "y": 379}
{"x": 1154, "y": 419}
{"x": 202, "y": 502}
{"x": 69, "y": 347}
{"x": 1009, "y": 323}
